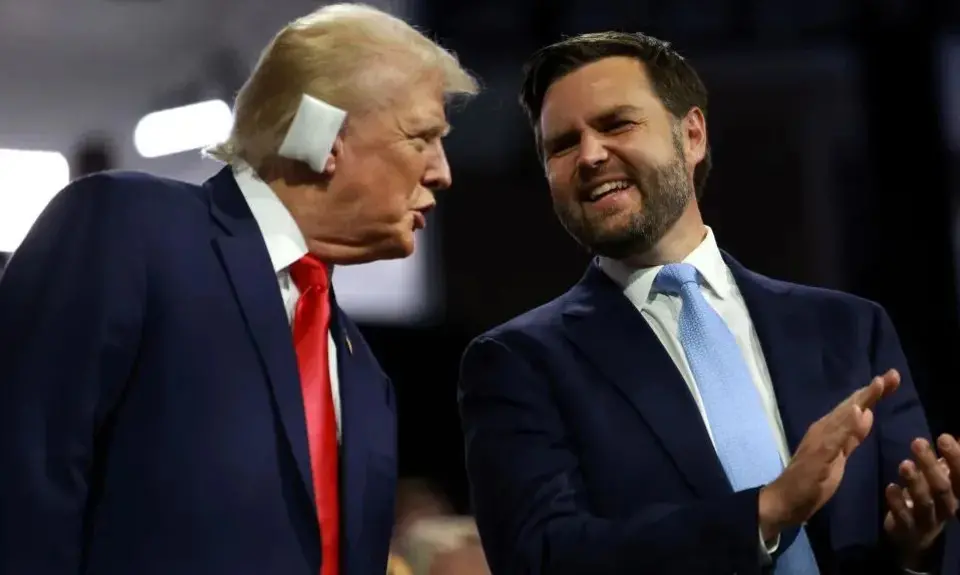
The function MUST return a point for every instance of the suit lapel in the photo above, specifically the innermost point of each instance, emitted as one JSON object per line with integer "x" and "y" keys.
{"x": 245, "y": 259}
{"x": 791, "y": 344}
{"x": 610, "y": 331}
{"x": 791, "y": 339}
{"x": 354, "y": 393}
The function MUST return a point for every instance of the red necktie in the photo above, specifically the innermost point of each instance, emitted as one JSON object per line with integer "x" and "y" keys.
{"x": 311, "y": 324}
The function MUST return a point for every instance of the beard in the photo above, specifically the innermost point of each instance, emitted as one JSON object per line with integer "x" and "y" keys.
{"x": 665, "y": 192}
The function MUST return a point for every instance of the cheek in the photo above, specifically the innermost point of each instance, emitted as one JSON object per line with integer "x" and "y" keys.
{"x": 644, "y": 157}
{"x": 406, "y": 172}
{"x": 560, "y": 181}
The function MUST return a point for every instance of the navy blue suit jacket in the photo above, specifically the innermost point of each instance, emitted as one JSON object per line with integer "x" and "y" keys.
{"x": 587, "y": 453}
{"x": 151, "y": 419}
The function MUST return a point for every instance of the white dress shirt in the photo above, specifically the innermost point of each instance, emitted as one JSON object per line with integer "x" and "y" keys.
{"x": 285, "y": 245}
{"x": 662, "y": 313}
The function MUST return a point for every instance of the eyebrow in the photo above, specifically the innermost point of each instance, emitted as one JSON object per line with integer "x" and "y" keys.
{"x": 602, "y": 118}
{"x": 434, "y": 130}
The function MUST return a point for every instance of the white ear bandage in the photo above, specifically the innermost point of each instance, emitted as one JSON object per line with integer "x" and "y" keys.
{"x": 312, "y": 133}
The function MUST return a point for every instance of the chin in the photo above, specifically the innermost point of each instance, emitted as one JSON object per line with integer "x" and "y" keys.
{"x": 409, "y": 245}
{"x": 401, "y": 247}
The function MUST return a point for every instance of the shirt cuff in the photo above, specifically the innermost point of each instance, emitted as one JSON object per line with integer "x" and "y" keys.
{"x": 768, "y": 548}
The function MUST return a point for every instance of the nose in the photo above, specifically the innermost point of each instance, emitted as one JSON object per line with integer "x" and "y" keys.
{"x": 437, "y": 175}
{"x": 592, "y": 152}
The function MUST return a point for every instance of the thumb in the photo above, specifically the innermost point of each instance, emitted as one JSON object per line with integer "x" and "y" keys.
{"x": 858, "y": 430}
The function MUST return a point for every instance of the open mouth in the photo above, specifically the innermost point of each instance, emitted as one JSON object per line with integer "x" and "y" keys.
{"x": 608, "y": 189}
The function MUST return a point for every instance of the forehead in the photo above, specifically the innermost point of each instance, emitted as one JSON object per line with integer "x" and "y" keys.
{"x": 422, "y": 104}
{"x": 595, "y": 89}
{"x": 412, "y": 107}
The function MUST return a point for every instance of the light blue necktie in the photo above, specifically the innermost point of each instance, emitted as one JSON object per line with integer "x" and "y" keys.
{"x": 744, "y": 441}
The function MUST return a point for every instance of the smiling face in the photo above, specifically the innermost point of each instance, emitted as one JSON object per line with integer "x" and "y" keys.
{"x": 619, "y": 165}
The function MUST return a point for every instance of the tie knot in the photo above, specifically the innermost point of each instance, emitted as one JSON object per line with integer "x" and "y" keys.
{"x": 672, "y": 277}
{"x": 309, "y": 272}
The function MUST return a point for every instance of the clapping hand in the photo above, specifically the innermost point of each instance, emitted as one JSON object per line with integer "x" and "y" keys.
{"x": 817, "y": 467}
{"x": 920, "y": 508}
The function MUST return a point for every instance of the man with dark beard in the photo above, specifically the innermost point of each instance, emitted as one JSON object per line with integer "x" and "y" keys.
{"x": 675, "y": 412}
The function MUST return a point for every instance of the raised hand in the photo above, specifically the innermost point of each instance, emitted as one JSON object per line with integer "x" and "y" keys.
{"x": 949, "y": 449}
{"x": 920, "y": 508}
{"x": 814, "y": 474}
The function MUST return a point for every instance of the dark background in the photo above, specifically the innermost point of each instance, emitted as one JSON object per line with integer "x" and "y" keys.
{"x": 831, "y": 127}
{"x": 831, "y": 168}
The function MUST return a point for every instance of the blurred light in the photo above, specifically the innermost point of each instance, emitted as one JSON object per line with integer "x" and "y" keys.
{"x": 400, "y": 291}
{"x": 950, "y": 83}
{"x": 28, "y": 181}
{"x": 176, "y": 130}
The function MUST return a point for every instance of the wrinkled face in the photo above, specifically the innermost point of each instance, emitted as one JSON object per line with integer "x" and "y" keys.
{"x": 390, "y": 163}
{"x": 619, "y": 165}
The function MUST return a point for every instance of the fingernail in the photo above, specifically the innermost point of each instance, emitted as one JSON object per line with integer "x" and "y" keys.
{"x": 945, "y": 443}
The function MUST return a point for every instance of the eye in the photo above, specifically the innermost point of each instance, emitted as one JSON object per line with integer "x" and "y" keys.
{"x": 419, "y": 143}
{"x": 561, "y": 146}
{"x": 618, "y": 126}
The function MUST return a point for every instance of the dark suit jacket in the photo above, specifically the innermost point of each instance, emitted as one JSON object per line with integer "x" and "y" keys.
{"x": 151, "y": 419}
{"x": 587, "y": 454}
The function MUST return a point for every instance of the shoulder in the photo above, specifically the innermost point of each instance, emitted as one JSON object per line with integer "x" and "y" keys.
{"x": 540, "y": 323}
{"x": 536, "y": 333}
{"x": 129, "y": 188}
{"x": 120, "y": 203}
{"x": 824, "y": 302}
{"x": 841, "y": 320}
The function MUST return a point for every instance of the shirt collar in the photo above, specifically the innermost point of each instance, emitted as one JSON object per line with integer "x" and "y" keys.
{"x": 283, "y": 238}
{"x": 637, "y": 283}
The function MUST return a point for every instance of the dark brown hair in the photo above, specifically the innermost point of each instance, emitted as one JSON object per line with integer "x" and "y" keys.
{"x": 674, "y": 80}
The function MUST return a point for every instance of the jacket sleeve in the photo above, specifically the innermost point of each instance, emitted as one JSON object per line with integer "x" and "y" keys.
{"x": 71, "y": 308}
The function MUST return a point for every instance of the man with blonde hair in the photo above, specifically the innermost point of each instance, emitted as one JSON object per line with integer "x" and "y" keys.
{"x": 179, "y": 392}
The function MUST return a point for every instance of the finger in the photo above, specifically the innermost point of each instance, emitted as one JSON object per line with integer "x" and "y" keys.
{"x": 848, "y": 424}
{"x": 861, "y": 424}
{"x": 891, "y": 381}
{"x": 845, "y": 413}
{"x": 880, "y": 387}
{"x": 899, "y": 508}
{"x": 838, "y": 432}
{"x": 868, "y": 396}
{"x": 938, "y": 481}
{"x": 951, "y": 456}
{"x": 924, "y": 507}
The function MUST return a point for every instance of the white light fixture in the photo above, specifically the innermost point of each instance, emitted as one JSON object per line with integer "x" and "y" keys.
{"x": 176, "y": 130}
{"x": 29, "y": 179}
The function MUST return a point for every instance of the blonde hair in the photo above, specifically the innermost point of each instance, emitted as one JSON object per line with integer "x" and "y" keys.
{"x": 341, "y": 54}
